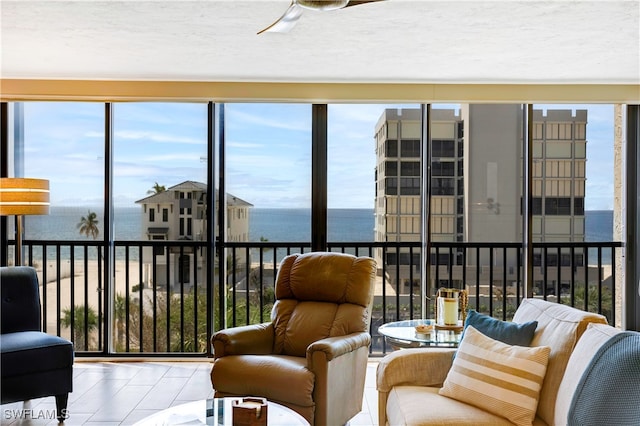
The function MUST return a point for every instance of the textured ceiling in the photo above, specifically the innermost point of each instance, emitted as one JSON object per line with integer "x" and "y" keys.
{"x": 419, "y": 41}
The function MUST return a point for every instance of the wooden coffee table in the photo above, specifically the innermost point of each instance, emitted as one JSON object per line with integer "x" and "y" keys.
{"x": 218, "y": 411}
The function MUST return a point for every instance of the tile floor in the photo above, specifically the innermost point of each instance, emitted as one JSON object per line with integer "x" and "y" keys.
{"x": 121, "y": 393}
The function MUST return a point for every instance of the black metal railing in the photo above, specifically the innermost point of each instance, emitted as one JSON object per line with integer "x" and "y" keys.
{"x": 166, "y": 297}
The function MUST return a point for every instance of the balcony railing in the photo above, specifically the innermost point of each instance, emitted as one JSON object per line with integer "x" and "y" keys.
{"x": 165, "y": 298}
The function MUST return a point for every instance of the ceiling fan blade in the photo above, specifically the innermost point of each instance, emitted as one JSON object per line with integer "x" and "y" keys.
{"x": 286, "y": 21}
{"x": 359, "y": 2}
{"x": 322, "y": 4}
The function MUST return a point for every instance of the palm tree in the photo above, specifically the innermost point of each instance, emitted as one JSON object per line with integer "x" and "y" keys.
{"x": 82, "y": 337}
{"x": 119, "y": 317}
{"x": 157, "y": 188}
{"x": 89, "y": 225}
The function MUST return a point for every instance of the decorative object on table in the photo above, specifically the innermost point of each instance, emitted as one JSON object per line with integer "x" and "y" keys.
{"x": 424, "y": 328}
{"x": 250, "y": 411}
{"x": 451, "y": 307}
{"x": 23, "y": 196}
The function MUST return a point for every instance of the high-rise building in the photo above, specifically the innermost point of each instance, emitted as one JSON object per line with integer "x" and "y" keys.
{"x": 477, "y": 181}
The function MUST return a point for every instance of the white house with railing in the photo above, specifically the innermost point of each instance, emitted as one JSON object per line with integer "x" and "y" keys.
{"x": 179, "y": 214}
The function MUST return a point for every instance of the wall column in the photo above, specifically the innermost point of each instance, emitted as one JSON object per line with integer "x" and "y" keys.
{"x": 631, "y": 298}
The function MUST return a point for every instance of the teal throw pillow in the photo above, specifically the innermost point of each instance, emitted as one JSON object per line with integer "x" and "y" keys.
{"x": 507, "y": 332}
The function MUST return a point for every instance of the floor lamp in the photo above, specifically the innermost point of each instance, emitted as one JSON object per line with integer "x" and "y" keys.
{"x": 22, "y": 196}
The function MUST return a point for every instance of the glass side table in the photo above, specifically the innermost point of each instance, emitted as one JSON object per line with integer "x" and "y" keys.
{"x": 402, "y": 334}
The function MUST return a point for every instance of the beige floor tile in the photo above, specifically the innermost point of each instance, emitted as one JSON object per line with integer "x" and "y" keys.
{"x": 122, "y": 393}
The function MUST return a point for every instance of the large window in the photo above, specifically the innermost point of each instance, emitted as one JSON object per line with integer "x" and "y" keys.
{"x": 159, "y": 166}
{"x": 351, "y": 170}
{"x": 410, "y": 168}
{"x": 442, "y": 168}
{"x": 557, "y": 206}
{"x": 391, "y": 148}
{"x": 410, "y": 148}
{"x": 364, "y": 171}
{"x": 443, "y": 148}
{"x": 63, "y": 142}
{"x": 574, "y": 184}
{"x": 263, "y": 159}
{"x": 268, "y": 173}
{"x": 159, "y": 188}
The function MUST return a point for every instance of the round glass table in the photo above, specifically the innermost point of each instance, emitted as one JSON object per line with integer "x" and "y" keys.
{"x": 219, "y": 412}
{"x": 403, "y": 334}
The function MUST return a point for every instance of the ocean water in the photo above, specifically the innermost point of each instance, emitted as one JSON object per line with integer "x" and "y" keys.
{"x": 272, "y": 224}
{"x": 598, "y": 225}
{"x": 276, "y": 225}
{"x": 62, "y": 224}
{"x": 353, "y": 225}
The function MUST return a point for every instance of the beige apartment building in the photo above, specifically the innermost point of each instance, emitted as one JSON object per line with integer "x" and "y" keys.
{"x": 477, "y": 186}
{"x": 179, "y": 213}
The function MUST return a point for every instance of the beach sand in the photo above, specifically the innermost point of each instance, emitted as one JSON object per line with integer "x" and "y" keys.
{"x": 85, "y": 291}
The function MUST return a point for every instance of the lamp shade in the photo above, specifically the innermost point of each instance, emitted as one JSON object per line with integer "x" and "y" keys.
{"x": 21, "y": 196}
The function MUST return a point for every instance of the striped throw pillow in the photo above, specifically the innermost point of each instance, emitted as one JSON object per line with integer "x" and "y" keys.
{"x": 502, "y": 379}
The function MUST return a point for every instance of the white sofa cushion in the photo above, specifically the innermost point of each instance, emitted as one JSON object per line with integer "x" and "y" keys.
{"x": 422, "y": 405}
{"x": 560, "y": 328}
{"x": 590, "y": 342}
{"x": 502, "y": 379}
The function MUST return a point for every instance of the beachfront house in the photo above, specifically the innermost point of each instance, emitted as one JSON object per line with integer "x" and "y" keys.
{"x": 179, "y": 214}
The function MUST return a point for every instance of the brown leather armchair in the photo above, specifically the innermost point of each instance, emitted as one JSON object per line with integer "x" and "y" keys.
{"x": 312, "y": 356}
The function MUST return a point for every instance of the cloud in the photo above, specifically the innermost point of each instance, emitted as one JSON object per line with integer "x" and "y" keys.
{"x": 174, "y": 157}
{"x": 94, "y": 134}
{"x": 243, "y": 145}
{"x": 237, "y": 117}
{"x": 268, "y": 149}
{"x": 81, "y": 156}
{"x": 158, "y": 137}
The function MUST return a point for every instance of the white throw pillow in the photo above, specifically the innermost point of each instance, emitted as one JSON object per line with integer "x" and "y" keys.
{"x": 502, "y": 379}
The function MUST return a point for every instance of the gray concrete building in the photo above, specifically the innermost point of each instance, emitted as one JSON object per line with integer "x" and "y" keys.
{"x": 477, "y": 184}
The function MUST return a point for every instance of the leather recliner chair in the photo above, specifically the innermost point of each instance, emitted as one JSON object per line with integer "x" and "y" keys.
{"x": 33, "y": 364}
{"x": 312, "y": 356}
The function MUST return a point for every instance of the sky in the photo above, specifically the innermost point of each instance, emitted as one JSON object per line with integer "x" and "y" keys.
{"x": 268, "y": 150}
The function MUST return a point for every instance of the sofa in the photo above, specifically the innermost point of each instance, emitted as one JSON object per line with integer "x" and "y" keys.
{"x": 592, "y": 375}
{"x": 33, "y": 364}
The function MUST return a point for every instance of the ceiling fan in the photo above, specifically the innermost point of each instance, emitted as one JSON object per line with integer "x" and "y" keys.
{"x": 294, "y": 12}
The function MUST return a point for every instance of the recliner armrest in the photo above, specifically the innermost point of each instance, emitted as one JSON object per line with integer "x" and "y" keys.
{"x": 335, "y": 346}
{"x": 252, "y": 339}
{"x": 418, "y": 366}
